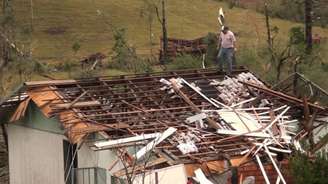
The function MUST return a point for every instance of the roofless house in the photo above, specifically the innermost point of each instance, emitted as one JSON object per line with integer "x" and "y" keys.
{"x": 184, "y": 125}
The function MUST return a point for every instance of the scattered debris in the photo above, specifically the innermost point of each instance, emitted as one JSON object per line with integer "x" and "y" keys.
{"x": 93, "y": 61}
{"x": 182, "y": 46}
{"x": 56, "y": 30}
{"x": 187, "y": 143}
{"x": 151, "y": 145}
{"x": 200, "y": 176}
{"x": 180, "y": 119}
{"x": 232, "y": 91}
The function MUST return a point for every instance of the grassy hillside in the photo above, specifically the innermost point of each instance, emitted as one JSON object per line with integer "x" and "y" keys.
{"x": 59, "y": 24}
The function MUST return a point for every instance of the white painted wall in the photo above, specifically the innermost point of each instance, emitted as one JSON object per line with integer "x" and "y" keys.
{"x": 103, "y": 159}
{"x": 35, "y": 156}
{"x": 87, "y": 157}
{"x": 170, "y": 175}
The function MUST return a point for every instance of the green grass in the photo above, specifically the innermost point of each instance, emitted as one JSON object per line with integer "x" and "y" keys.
{"x": 187, "y": 19}
{"x": 82, "y": 23}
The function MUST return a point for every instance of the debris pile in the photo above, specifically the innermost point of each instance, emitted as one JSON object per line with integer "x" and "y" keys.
{"x": 182, "y": 46}
{"x": 93, "y": 60}
{"x": 232, "y": 91}
{"x": 187, "y": 142}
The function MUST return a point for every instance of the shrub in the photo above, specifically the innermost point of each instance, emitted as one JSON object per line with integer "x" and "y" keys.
{"x": 85, "y": 74}
{"x": 307, "y": 171}
{"x": 67, "y": 67}
{"x": 142, "y": 66}
{"x": 185, "y": 62}
{"x": 211, "y": 53}
{"x": 125, "y": 56}
{"x": 76, "y": 47}
{"x": 39, "y": 68}
{"x": 324, "y": 67}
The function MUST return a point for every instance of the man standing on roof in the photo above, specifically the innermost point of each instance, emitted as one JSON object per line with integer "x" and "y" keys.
{"x": 227, "y": 45}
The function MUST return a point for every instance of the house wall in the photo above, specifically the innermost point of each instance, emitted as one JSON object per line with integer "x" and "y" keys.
{"x": 170, "y": 175}
{"x": 103, "y": 159}
{"x": 37, "y": 120}
{"x": 36, "y": 151}
{"x": 35, "y": 156}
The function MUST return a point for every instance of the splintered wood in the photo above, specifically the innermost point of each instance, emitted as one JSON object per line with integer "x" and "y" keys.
{"x": 193, "y": 116}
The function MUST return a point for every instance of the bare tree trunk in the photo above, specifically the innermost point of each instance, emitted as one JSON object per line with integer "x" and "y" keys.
{"x": 279, "y": 67}
{"x": 308, "y": 24}
{"x": 295, "y": 81}
{"x": 164, "y": 30}
{"x": 5, "y": 50}
{"x": 32, "y": 15}
{"x": 270, "y": 39}
{"x": 164, "y": 40}
{"x": 151, "y": 36}
{"x": 267, "y": 22}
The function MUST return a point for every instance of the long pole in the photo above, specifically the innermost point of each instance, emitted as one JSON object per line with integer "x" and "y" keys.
{"x": 267, "y": 22}
{"x": 165, "y": 44}
{"x": 32, "y": 15}
{"x": 308, "y": 7}
{"x": 5, "y": 49}
{"x": 267, "y": 181}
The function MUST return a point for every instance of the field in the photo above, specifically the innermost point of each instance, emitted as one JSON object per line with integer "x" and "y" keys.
{"x": 57, "y": 25}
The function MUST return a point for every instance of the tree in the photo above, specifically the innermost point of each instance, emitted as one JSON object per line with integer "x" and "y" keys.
{"x": 125, "y": 56}
{"x": 162, "y": 20}
{"x": 279, "y": 55}
{"x": 267, "y": 22}
{"x": 308, "y": 7}
{"x": 6, "y": 32}
{"x": 148, "y": 11}
{"x": 291, "y": 52}
{"x": 309, "y": 171}
{"x": 76, "y": 47}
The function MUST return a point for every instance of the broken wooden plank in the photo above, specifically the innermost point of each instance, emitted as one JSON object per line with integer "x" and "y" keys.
{"x": 200, "y": 93}
{"x": 49, "y": 83}
{"x": 211, "y": 122}
{"x": 283, "y": 96}
{"x": 201, "y": 177}
{"x": 275, "y": 165}
{"x": 103, "y": 144}
{"x": 76, "y": 100}
{"x": 20, "y": 110}
{"x": 251, "y": 134}
{"x": 267, "y": 181}
{"x": 76, "y": 105}
{"x": 140, "y": 167}
{"x": 153, "y": 143}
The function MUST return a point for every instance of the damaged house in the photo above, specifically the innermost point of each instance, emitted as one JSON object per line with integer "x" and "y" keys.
{"x": 193, "y": 126}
